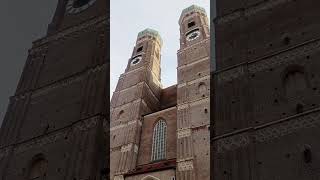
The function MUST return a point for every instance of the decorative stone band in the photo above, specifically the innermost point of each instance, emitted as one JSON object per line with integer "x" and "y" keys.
{"x": 68, "y": 81}
{"x": 267, "y": 132}
{"x": 125, "y": 125}
{"x": 193, "y": 103}
{"x": 126, "y": 148}
{"x": 131, "y": 87}
{"x": 139, "y": 84}
{"x": 185, "y": 165}
{"x": 161, "y": 111}
{"x": 281, "y": 58}
{"x": 195, "y": 62}
{"x": 201, "y": 79}
{"x": 264, "y": 5}
{"x": 134, "y": 70}
{"x": 129, "y": 147}
{"x": 83, "y": 125}
{"x": 127, "y": 104}
{"x": 183, "y": 133}
{"x": 120, "y": 177}
{"x": 98, "y": 21}
{"x": 183, "y": 106}
{"x": 207, "y": 40}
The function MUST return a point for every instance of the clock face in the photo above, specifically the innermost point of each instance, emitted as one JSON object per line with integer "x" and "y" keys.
{"x": 77, "y": 6}
{"x": 136, "y": 60}
{"x": 193, "y": 35}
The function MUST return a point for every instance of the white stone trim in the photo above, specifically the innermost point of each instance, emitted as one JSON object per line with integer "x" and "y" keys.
{"x": 183, "y": 106}
{"x": 193, "y": 103}
{"x": 194, "y": 81}
{"x": 162, "y": 111}
{"x": 126, "y": 148}
{"x": 194, "y": 62}
{"x": 183, "y": 133}
{"x": 185, "y": 165}
{"x": 201, "y": 101}
{"x": 136, "y": 148}
{"x": 128, "y": 88}
{"x": 134, "y": 70}
{"x": 120, "y": 177}
{"x": 127, "y": 104}
{"x": 191, "y": 46}
{"x": 125, "y": 125}
{"x": 149, "y": 177}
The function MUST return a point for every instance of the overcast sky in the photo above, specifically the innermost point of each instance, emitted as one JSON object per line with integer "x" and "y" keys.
{"x": 21, "y": 23}
{"x": 128, "y": 18}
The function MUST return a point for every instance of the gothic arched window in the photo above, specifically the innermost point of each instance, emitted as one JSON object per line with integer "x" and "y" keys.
{"x": 38, "y": 169}
{"x": 159, "y": 141}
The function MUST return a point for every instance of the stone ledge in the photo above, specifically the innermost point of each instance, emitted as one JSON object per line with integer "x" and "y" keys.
{"x": 267, "y": 132}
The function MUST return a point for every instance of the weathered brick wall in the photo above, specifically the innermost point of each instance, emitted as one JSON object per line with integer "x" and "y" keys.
{"x": 261, "y": 131}
{"x": 149, "y": 121}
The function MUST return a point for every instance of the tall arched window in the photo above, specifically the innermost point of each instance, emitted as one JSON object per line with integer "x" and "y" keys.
{"x": 159, "y": 141}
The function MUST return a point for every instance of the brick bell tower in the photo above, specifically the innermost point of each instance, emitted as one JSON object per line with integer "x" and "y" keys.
{"x": 53, "y": 128}
{"x": 193, "y": 149}
{"x": 137, "y": 93}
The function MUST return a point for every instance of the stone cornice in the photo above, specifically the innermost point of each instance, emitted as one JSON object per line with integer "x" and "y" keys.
{"x": 81, "y": 125}
{"x": 267, "y": 132}
{"x": 61, "y": 83}
{"x": 87, "y": 26}
{"x": 250, "y": 11}
{"x": 287, "y": 56}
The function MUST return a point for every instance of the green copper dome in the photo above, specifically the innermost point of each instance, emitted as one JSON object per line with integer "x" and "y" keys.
{"x": 150, "y": 32}
{"x": 193, "y": 8}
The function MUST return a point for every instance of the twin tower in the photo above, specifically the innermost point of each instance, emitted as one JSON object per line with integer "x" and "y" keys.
{"x": 163, "y": 133}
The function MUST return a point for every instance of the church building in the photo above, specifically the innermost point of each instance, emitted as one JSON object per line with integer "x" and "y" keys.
{"x": 161, "y": 133}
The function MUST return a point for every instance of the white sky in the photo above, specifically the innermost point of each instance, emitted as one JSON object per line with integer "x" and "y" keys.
{"x": 129, "y": 17}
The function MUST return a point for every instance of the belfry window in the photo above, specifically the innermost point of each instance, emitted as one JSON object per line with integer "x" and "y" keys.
{"x": 140, "y": 49}
{"x": 191, "y": 24}
{"x": 159, "y": 141}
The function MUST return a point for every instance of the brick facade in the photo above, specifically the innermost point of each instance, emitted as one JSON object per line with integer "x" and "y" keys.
{"x": 139, "y": 102}
{"x": 266, "y": 90}
{"x": 57, "y": 115}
